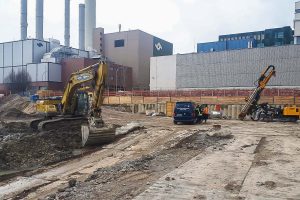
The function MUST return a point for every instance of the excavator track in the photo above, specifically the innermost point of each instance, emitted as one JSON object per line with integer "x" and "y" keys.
{"x": 69, "y": 123}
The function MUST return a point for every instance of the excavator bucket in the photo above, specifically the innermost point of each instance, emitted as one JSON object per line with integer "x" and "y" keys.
{"x": 96, "y": 136}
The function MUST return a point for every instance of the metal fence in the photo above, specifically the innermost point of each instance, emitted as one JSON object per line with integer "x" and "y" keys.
{"x": 198, "y": 93}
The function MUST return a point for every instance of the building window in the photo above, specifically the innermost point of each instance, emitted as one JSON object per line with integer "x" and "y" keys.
{"x": 279, "y": 35}
{"x": 262, "y": 37}
{"x": 119, "y": 43}
{"x": 258, "y": 37}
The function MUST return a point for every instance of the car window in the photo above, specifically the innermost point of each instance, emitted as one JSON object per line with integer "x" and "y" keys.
{"x": 183, "y": 105}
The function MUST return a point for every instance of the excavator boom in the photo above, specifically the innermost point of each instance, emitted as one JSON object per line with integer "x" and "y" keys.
{"x": 253, "y": 99}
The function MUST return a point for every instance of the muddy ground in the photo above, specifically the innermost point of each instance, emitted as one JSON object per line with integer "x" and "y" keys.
{"x": 129, "y": 178}
{"x": 23, "y": 149}
{"x": 242, "y": 160}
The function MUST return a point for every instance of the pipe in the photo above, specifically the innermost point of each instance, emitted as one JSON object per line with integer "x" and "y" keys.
{"x": 24, "y": 19}
{"x": 90, "y": 23}
{"x": 81, "y": 26}
{"x": 67, "y": 23}
{"x": 39, "y": 19}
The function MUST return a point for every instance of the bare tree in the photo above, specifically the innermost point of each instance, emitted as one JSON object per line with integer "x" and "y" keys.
{"x": 18, "y": 82}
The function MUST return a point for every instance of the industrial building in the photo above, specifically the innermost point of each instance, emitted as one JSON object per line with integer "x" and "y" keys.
{"x": 297, "y": 23}
{"x": 118, "y": 78}
{"x": 132, "y": 48}
{"x": 48, "y": 64}
{"x": 42, "y": 58}
{"x": 26, "y": 55}
{"x": 225, "y": 69}
{"x": 266, "y": 38}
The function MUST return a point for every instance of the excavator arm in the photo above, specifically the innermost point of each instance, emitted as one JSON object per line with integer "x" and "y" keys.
{"x": 253, "y": 99}
{"x": 96, "y": 73}
{"x": 75, "y": 82}
{"x": 95, "y": 118}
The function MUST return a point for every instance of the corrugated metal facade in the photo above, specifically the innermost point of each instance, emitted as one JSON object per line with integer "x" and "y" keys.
{"x": 26, "y": 55}
{"x": 238, "y": 68}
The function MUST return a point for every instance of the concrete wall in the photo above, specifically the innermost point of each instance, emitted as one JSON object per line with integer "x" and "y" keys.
{"x": 127, "y": 55}
{"x": 136, "y": 53}
{"x": 163, "y": 73}
{"x": 98, "y": 40}
{"x": 145, "y": 53}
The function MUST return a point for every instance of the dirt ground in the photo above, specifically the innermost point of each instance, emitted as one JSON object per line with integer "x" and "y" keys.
{"x": 243, "y": 160}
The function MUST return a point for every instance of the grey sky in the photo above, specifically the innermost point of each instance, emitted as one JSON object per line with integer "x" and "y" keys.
{"x": 182, "y": 22}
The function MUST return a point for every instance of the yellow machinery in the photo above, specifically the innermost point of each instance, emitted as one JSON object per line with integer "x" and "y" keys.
{"x": 255, "y": 96}
{"x": 48, "y": 107}
{"x": 264, "y": 111}
{"x": 79, "y": 106}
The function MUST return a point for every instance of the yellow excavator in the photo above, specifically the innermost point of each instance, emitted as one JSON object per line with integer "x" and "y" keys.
{"x": 78, "y": 106}
{"x": 264, "y": 111}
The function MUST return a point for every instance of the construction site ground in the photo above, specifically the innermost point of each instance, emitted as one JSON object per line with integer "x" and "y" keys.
{"x": 242, "y": 160}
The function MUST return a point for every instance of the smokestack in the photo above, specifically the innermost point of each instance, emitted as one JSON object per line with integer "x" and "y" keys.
{"x": 81, "y": 26}
{"x": 39, "y": 19}
{"x": 23, "y": 19}
{"x": 120, "y": 27}
{"x": 90, "y": 23}
{"x": 67, "y": 23}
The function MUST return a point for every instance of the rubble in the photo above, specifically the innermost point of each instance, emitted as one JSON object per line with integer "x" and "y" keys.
{"x": 128, "y": 128}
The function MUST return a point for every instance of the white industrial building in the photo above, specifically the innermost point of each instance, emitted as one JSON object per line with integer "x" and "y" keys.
{"x": 227, "y": 69}
{"x": 41, "y": 58}
{"x": 297, "y": 23}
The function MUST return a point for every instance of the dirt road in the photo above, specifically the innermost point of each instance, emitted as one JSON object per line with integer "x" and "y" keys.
{"x": 166, "y": 161}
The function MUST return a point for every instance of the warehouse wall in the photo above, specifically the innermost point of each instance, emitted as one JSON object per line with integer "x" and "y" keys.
{"x": 163, "y": 73}
{"x": 128, "y": 54}
{"x": 136, "y": 52}
{"x": 238, "y": 68}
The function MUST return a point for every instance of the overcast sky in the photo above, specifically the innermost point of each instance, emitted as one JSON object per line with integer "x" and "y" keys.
{"x": 182, "y": 22}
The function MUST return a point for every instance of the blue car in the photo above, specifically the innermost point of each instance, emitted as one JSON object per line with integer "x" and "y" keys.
{"x": 185, "y": 112}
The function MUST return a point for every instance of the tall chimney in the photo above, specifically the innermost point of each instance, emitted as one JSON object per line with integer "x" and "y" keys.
{"x": 67, "y": 23}
{"x": 90, "y": 23}
{"x": 23, "y": 19}
{"x": 81, "y": 26}
{"x": 39, "y": 19}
